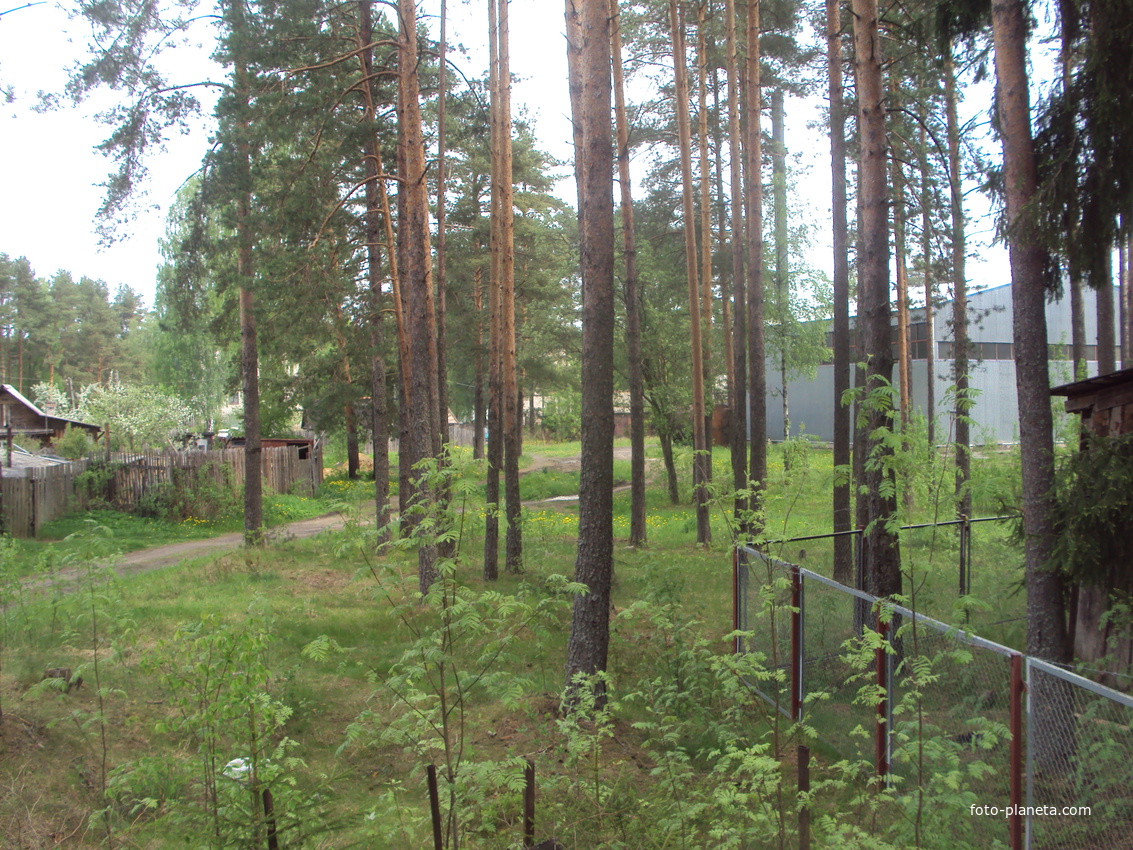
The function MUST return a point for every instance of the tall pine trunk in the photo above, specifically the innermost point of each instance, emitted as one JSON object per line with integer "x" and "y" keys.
{"x": 753, "y": 180}
{"x": 421, "y": 413}
{"x": 1046, "y": 624}
{"x": 881, "y": 560}
{"x": 442, "y": 230}
{"x": 495, "y": 370}
{"x": 588, "y": 646}
{"x": 513, "y": 423}
{"x": 249, "y": 352}
{"x": 700, "y": 476}
{"x": 782, "y": 279}
{"x": 637, "y": 534}
{"x": 963, "y": 404}
{"x": 705, "y": 233}
{"x": 377, "y": 216}
{"x": 739, "y": 312}
{"x": 843, "y": 520}
{"x": 1107, "y": 343}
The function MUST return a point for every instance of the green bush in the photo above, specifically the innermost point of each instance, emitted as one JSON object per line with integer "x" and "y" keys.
{"x": 74, "y": 444}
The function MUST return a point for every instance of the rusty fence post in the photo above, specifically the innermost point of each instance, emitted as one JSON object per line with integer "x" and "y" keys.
{"x": 804, "y": 788}
{"x": 529, "y": 804}
{"x": 965, "y": 531}
{"x": 796, "y": 643}
{"x": 435, "y": 806}
{"x": 737, "y": 646}
{"x": 1017, "y": 691}
{"x": 269, "y": 816}
{"x": 882, "y": 734}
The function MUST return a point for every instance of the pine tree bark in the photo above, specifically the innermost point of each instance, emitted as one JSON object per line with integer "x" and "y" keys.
{"x": 422, "y": 414}
{"x": 442, "y": 229}
{"x": 881, "y": 560}
{"x": 962, "y": 408}
{"x": 249, "y": 350}
{"x": 843, "y": 519}
{"x": 495, "y": 369}
{"x": 377, "y": 218}
{"x": 782, "y": 280}
{"x": 705, "y": 233}
{"x": 478, "y": 367}
{"x": 1078, "y": 327}
{"x": 929, "y": 291}
{"x": 901, "y": 255}
{"x": 699, "y": 467}
{"x": 1107, "y": 342}
{"x": 1046, "y": 624}
{"x": 753, "y": 180}
{"x": 588, "y": 647}
{"x": 513, "y": 423}
{"x": 637, "y": 526}
{"x": 739, "y": 312}
{"x": 720, "y": 204}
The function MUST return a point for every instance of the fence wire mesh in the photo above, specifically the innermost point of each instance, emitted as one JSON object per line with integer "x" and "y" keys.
{"x": 1081, "y": 758}
{"x": 948, "y": 719}
{"x": 765, "y": 614}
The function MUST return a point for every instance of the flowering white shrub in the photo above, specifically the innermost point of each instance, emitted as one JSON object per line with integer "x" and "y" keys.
{"x": 142, "y": 416}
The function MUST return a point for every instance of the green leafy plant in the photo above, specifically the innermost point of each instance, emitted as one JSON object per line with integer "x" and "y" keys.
{"x": 242, "y": 780}
{"x": 464, "y": 645}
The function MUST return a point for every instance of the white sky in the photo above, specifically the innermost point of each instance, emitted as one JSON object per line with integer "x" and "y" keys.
{"x": 49, "y": 180}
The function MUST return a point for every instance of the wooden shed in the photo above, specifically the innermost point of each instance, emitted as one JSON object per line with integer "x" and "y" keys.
{"x": 29, "y": 422}
{"x": 1105, "y": 404}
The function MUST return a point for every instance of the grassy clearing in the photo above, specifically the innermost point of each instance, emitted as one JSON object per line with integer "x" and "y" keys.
{"x": 351, "y": 712}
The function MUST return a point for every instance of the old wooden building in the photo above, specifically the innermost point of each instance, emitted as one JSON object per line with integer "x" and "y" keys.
{"x": 32, "y": 426}
{"x": 1105, "y": 404}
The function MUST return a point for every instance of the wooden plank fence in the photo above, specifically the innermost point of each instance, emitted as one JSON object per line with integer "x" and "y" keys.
{"x": 45, "y": 494}
{"x": 51, "y": 492}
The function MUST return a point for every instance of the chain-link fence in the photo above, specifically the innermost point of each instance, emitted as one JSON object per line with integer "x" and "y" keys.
{"x": 1043, "y": 757}
{"x": 1080, "y": 764}
{"x": 951, "y": 559}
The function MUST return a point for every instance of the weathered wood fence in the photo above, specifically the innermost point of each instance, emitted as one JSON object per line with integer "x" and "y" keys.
{"x": 45, "y": 494}
{"x": 50, "y": 492}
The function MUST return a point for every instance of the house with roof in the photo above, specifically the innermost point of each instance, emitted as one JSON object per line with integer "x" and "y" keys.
{"x": 30, "y": 425}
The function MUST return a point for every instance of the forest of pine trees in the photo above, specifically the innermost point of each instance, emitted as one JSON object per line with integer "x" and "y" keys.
{"x": 374, "y": 240}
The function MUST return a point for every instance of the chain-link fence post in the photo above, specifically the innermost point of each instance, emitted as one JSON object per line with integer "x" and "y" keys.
{"x": 884, "y": 694}
{"x": 737, "y": 565}
{"x": 965, "y": 553}
{"x": 861, "y": 608}
{"x": 1017, "y": 690}
{"x": 796, "y": 643}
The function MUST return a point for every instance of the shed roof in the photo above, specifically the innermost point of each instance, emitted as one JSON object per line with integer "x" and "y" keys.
{"x": 23, "y": 460}
{"x": 1092, "y": 385}
{"x": 24, "y": 400}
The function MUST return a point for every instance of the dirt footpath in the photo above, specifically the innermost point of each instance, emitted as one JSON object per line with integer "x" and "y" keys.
{"x": 145, "y": 560}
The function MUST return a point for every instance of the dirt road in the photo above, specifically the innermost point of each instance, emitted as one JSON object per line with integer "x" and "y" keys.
{"x": 158, "y": 557}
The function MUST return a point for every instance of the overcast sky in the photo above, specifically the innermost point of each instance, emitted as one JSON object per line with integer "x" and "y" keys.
{"x": 49, "y": 181}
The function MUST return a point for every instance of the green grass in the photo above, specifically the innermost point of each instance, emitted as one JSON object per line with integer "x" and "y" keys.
{"x": 324, "y": 586}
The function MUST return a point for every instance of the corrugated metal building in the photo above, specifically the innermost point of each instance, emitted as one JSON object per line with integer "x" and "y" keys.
{"x": 992, "y": 373}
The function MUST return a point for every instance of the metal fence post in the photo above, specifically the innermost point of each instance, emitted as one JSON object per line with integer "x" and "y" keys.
{"x": 1016, "y": 825}
{"x": 965, "y": 529}
{"x": 736, "y": 566}
{"x": 804, "y": 788}
{"x": 529, "y": 804}
{"x": 882, "y": 733}
{"x": 1030, "y": 770}
{"x": 796, "y": 643}
{"x": 860, "y": 610}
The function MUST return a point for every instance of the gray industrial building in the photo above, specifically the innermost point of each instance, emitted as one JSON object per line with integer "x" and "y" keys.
{"x": 992, "y": 374}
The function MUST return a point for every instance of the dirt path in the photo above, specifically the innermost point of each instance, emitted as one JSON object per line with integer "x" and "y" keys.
{"x": 159, "y": 557}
